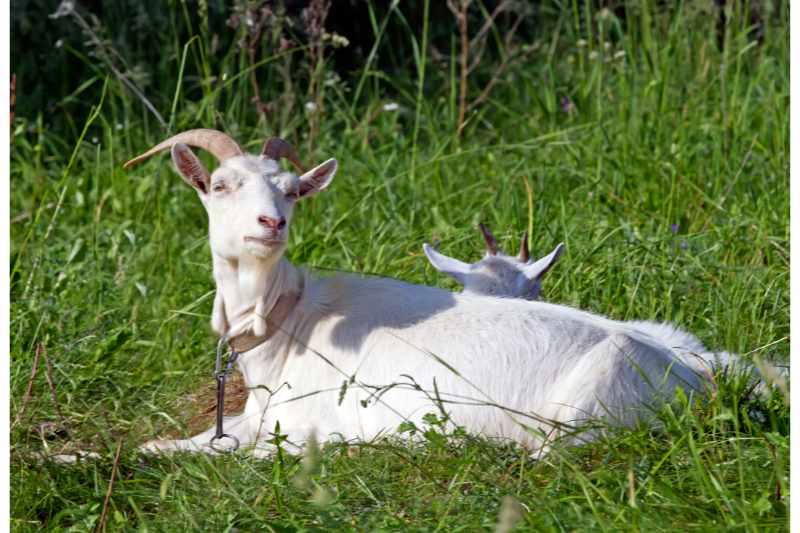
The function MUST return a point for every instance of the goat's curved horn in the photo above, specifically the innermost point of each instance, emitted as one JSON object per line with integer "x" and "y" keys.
{"x": 219, "y": 144}
{"x": 276, "y": 148}
{"x": 524, "y": 254}
{"x": 491, "y": 242}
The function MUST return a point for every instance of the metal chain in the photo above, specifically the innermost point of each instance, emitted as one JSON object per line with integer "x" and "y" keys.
{"x": 220, "y": 376}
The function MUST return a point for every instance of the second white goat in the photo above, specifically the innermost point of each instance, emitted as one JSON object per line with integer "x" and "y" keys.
{"x": 498, "y": 274}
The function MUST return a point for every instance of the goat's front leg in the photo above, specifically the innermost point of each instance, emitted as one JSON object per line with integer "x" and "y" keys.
{"x": 239, "y": 426}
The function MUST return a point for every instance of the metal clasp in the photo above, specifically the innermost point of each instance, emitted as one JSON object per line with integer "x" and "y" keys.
{"x": 220, "y": 376}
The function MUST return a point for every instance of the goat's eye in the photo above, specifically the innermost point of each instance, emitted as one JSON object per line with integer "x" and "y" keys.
{"x": 218, "y": 187}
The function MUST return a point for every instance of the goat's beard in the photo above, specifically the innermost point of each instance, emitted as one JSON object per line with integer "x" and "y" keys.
{"x": 265, "y": 252}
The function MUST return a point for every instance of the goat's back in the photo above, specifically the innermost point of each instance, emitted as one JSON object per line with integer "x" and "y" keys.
{"x": 412, "y": 347}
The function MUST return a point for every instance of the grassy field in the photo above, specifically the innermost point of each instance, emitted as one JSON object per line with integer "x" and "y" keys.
{"x": 660, "y": 160}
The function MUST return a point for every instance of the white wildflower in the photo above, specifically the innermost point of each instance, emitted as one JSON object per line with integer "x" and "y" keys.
{"x": 605, "y": 14}
{"x": 332, "y": 79}
{"x": 66, "y": 7}
{"x": 338, "y": 41}
{"x": 391, "y": 106}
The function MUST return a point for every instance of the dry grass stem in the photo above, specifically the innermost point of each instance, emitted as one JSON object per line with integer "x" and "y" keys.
{"x": 29, "y": 389}
{"x": 101, "y": 525}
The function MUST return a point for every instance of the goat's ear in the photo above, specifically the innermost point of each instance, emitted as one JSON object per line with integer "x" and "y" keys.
{"x": 190, "y": 168}
{"x": 447, "y": 265}
{"x": 316, "y": 179}
{"x": 539, "y": 268}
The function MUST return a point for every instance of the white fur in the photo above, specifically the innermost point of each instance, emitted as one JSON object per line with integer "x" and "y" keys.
{"x": 358, "y": 356}
{"x": 685, "y": 345}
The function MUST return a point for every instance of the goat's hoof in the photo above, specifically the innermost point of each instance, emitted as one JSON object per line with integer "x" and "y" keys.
{"x": 72, "y": 458}
{"x": 158, "y": 446}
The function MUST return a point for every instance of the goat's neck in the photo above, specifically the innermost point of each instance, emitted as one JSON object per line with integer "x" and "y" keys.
{"x": 250, "y": 287}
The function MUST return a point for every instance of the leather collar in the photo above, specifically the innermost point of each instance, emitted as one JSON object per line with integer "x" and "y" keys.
{"x": 275, "y": 318}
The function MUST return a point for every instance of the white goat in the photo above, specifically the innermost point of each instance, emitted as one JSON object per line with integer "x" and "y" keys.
{"x": 350, "y": 357}
{"x": 498, "y": 274}
{"x": 502, "y": 275}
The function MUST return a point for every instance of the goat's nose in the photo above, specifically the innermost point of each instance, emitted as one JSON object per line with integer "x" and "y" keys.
{"x": 272, "y": 223}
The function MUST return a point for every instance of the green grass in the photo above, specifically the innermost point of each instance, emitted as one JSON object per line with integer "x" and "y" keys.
{"x": 111, "y": 276}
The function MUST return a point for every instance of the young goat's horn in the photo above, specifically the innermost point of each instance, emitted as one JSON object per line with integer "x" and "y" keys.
{"x": 524, "y": 254}
{"x": 491, "y": 242}
{"x": 276, "y": 149}
{"x": 218, "y": 144}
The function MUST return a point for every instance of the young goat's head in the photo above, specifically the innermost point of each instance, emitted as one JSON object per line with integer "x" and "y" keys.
{"x": 498, "y": 274}
{"x": 249, "y": 199}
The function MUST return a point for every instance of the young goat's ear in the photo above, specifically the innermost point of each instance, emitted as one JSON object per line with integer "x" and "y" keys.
{"x": 539, "y": 268}
{"x": 447, "y": 265}
{"x": 190, "y": 168}
{"x": 316, "y": 179}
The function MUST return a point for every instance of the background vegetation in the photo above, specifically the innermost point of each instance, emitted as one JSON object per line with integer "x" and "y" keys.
{"x": 651, "y": 138}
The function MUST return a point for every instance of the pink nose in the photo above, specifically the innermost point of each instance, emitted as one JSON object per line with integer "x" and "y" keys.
{"x": 272, "y": 223}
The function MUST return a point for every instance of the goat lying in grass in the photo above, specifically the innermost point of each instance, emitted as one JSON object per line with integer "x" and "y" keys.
{"x": 495, "y": 274}
{"x": 498, "y": 274}
{"x": 352, "y": 358}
